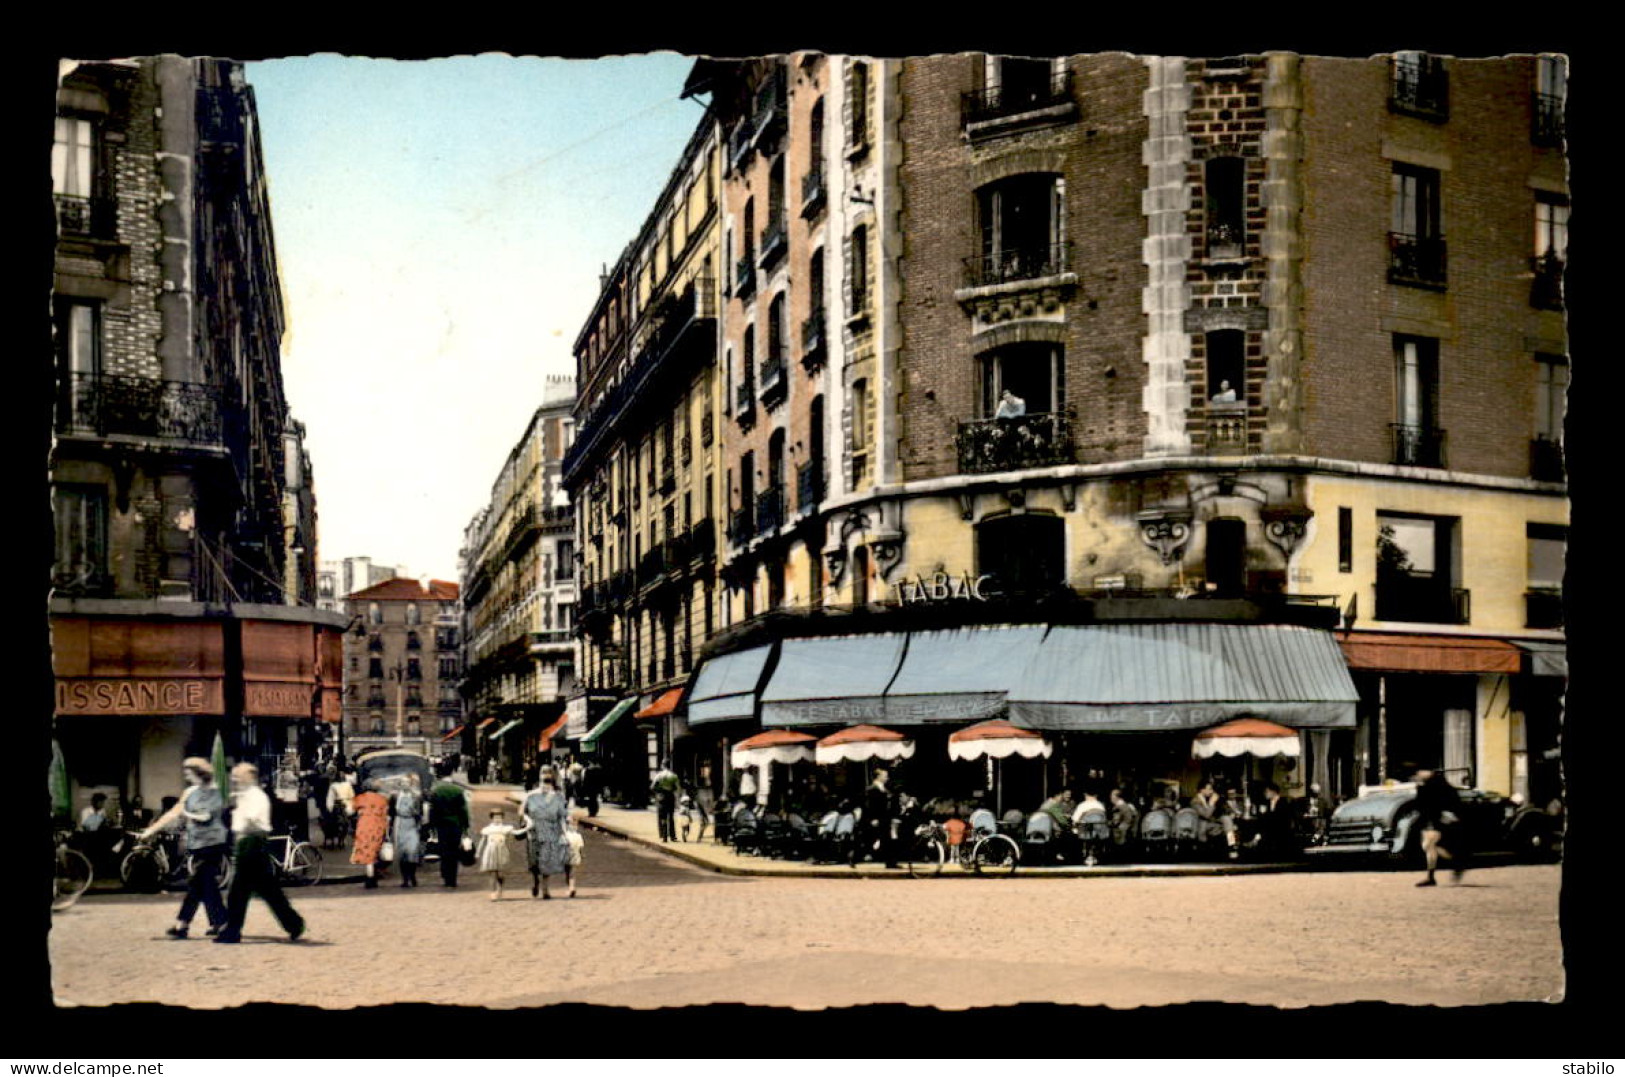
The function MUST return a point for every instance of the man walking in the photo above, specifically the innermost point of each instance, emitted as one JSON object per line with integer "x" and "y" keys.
{"x": 251, "y": 826}
{"x": 879, "y": 807}
{"x": 204, "y": 810}
{"x": 666, "y": 786}
{"x": 1437, "y": 808}
{"x": 448, "y": 815}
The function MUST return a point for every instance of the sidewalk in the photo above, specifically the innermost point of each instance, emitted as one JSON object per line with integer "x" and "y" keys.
{"x": 642, "y": 827}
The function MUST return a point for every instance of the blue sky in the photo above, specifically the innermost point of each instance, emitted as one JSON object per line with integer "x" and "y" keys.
{"x": 440, "y": 227}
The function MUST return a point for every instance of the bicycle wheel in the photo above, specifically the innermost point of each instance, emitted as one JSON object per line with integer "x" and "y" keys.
{"x": 73, "y": 875}
{"x": 996, "y": 854}
{"x": 925, "y": 857}
{"x": 304, "y": 865}
{"x": 144, "y": 869}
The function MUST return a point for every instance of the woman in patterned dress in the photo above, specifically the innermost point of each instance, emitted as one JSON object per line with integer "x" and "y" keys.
{"x": 371, "y": 824}
{"x": 546, "y": 812}
{"x": 407, "y": 833}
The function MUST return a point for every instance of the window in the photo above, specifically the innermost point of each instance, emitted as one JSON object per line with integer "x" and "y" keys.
{"x": 374, "y": 615}
{"x": 1551, "y": 396}
{"x": 563, "y": 618}
{"x": 414, "y": 670}
{"x": 1023, "y": 554}
{"x": 414, "y": 726}
{"x": 79, "y": 337}
{"x": 413, "y": 643}
{"x": 860, "y": 270}
{"x": 1551, "y": 250}
{"x": 860, "y": 415}
{"x": 1021, "y": 84}
{"x": 1417, "y": 440}
{"x": 376, "y": 727}
{"x": 1420, "y": 86}
{"x": 564, "y": 563}
{"x": 777, "y": 331}
{"x": 1548, "y": 544}
{"x": 815, "y": 282}
{"x": 1226, "y": 556}
{"x": 448, "y": 669}
{"x": 375, "y": 643}
{"x": 1416, "y": 559}
{"x": 1020, "y": 219}
{"x": 1225, "y": 201}
{"x": 1416, "y": 243}
{"x": 73, "y": 157}
{"x": 1034, "y": 373}
{"x": 775, "y": 196}
{"x": 1551, "y": 97}
{"x": 1345, "y": 539}
{"x": 858, "y": 89}
{"x": 815, "y": 138}
{"x": 81, "y": 539}
{"x": 1226, "y": 351}
{"x": 375, "y": 668}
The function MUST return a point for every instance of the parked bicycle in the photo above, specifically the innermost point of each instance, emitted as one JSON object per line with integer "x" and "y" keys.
{"x": 158, "y": 863}
{"x": 984, "y": 850}
{"x": 73, "y": 873}
{"x": 300, "y": 863}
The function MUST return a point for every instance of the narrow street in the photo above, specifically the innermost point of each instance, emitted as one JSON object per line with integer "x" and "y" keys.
{"x": 648, "y": 931}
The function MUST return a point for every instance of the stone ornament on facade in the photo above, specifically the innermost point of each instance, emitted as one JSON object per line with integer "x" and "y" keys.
{"x": 835, "y": 563}
{"x": 1167, "y": 531}
{"x": 887, "y": 548}
{"x": 1285, "y": 527}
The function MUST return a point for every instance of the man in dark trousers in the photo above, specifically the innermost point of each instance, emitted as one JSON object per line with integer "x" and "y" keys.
{"x": 879, "y": 807}
{"x": 255, "y": 874}
{"x": 1438, "y": 807}
{"x": 666, "y": 787}
{"x": 448, "y": 814}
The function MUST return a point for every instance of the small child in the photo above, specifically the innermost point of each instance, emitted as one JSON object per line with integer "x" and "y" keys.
{"x": 956, "y": 827}
{"x": 495, "y": 853}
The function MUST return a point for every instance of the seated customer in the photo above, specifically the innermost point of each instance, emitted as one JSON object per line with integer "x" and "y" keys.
{"x": 1125, "y": 817}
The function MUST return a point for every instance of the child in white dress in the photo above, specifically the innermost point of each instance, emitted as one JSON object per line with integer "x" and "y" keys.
{"x": 495, "y": 852}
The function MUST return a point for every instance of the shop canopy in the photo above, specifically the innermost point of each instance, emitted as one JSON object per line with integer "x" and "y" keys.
{"x": 773, "y": 746}
{"x": 506, "y": 727}
{"x": 1396, "y": 653}
{"x": 726, "y": 686}
{"x": 450, "y": 735}
{"x": 861, "y": 743}
{"x": 1245, "y": 736}
{"x": 1183, "y": 676}
{"x": 589, "y": 743}
{"x": 663, "y": 705}
{"x": 544, "y": 741}
{"x": 996, "y": 738}
{"x": 959, "y": 674}
{"x": 1547, "y": 659}
{"x": 832, "y": 679}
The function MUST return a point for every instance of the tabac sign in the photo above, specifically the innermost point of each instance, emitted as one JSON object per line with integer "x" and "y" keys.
{"x": 941, "y": 587}
{"x": 139, "y": 696}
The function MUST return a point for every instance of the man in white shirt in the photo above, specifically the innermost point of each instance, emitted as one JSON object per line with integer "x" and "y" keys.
{"x": 255, "y": 874}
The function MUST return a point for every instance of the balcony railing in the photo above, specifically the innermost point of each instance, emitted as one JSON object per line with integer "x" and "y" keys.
{"x": 1001, "y": 102}
{"x": 745, "y": 403}
{"x": 814, "y": 192}
{"x": 768, "y": 113}
{"x": 809, "y": 488}
{"x": 775, "y": 240}
{"x": 1019, "y": 263}
{"x": 1418, "y": 446}
{"x": 1227, "y": 428}
{"x": 1422, "y": 600}
{"x": 652, "y": 566}
{"x": 740, "y": 143}
{"x": 770, "y": 510}
{"x": 774, "y": 383}
{"x": 77, "y": 216}
{"x": 813, "y": 344}
{"x": 685, "y": 449}
{"x": 1416, "y": 260}
{"x": 1420, "y": 88}
{"x": 1543, "y": 608}
{"x": 1546, "y": 292}
{"x": 1043, "y": 439}
{"x": 142, "y": 407}
{"x": 1547, "y": 110}
{"x": 707, "y": 429}
{"x": 745, "y": 276}
{"x": 1546, "y": 460}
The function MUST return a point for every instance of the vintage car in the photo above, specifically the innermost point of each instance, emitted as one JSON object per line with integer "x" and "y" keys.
{"x": 390, "y": 767}
{"x": 1382, "y": 821}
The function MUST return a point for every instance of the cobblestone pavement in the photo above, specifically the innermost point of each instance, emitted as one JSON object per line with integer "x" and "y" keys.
{"x": 649, "y": 931}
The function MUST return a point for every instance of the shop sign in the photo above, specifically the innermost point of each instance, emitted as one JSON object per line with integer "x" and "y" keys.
{"x": 278, "y": 700}
{"x": 130, "y": 696}
{"x": 941, "y": 587}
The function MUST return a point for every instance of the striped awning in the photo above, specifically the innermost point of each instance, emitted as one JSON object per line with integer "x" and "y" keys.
{"x": 589, "y": 743}
{"x": 725, "y": 687}
{"x": 498, "y": 734}
{"x": 663, "y": 705}
{"x": 544, "y": 741}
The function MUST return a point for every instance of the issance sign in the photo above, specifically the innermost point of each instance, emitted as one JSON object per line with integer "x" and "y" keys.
{"x": 133, "y": 696}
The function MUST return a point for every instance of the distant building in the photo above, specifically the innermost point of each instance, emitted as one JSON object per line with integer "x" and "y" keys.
{"x": 402, "y": 663}
{"x": 184, "y": 582}
{"x": 519, "y": 565}
{"x": 335, "y": 579}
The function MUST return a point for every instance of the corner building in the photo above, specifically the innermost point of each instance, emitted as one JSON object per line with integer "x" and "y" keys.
{"x": 1286, "y": 346}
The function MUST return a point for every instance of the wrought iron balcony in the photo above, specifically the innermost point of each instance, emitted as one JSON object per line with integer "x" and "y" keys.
{"x": 668, "y": 480}
{"x": 1547, "y": 112}
{"x": 745, "y": 276}
{"x": 1418, "y": 446}
{"x": 219, "y": 114}
{"x": 813, "y": 344}
{"x": 707, "y": 429}
{"x": 78, "y": 216}
{"x": 770, "y": 510}
{"x": 1002, "y": 102}
{"x": 1017, "y": 264}
{"x": 809, "y": 488}
{"x": 1227, "y": 428}
{"x": 84, "y": 579}
{"x": 775, "y": 240}
{"x": 745, "y": 403}
{"x": 1416, "y": 260}
{"x": 1043, "y": 439}
{"x": 685, "y": 449}
{"x": 1226, "y": 239}
{"x": 774, "y": 384}
{"x": 1420, "y": 88}
{"x": 1546, "y": 460}
{"x": 768, "y": 111}
{"x": 141, "y": 407}
{"x": 740, "y": 143}
{"x": 814, "y": 191}
{"x": 652, "y": 566}
{"x": 1546, "y": 292}
{"x": 1422, "y": 600}
{"x": 1543, "y": 608}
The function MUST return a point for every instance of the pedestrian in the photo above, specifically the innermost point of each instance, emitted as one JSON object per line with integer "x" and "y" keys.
{"x": 879, "y": 808}
{"x": 255, "y": 873}
{"x": 545, "y": 821}
{"x": 665, "y": 787}
{"x": 747, "y": 787}
{"x": 449, "y": 816}
{"x": 340, "y": 808}
{"x": 203, "y": 811}
{"x": 573, "y": 775}
{"x": 1438, "y": 809}
{"x": 407, "y": 832}
{"x": 591, "y": 788}
{"x": 371, "y": 826}
{"x": 1125, "y": 818}
{"x": 495, "y": 854}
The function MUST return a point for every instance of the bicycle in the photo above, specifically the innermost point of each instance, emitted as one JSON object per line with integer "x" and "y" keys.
{"x": 984, "y": 851}
{"x": 73, "y": 873}
{"x": 300, "y": 863}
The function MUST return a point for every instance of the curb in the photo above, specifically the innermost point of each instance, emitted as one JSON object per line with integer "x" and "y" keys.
{"x": 1066, "y": 872}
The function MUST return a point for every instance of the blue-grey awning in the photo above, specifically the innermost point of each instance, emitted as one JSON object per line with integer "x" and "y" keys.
{"x": 1547, "y": 659}
{"x": 959, "y": 674}
{"x": 831, "y": 680}
{"x": 589, "y": 743}
{"x": 726, "y": 686}
{"x": 1183, "y": 676}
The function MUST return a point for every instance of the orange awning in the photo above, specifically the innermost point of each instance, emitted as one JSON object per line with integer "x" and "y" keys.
{"x": 452, "y": 734}
{"x": 485, "y": 723}
{"x": 665, "y": 704}
{"x": 1395, "y": 653}
{"x": 544, "y": 742}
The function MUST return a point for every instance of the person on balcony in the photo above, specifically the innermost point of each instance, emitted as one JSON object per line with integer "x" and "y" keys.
{"x": 1010, "y": 406}
{"x": 1225, "y": 395}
